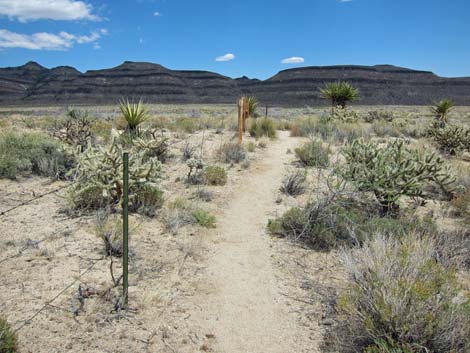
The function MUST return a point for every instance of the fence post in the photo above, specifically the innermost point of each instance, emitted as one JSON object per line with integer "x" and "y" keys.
{"x": 241, "y": 104}
{"x": 266, "y": 115}
{"x": 125, "y": 228}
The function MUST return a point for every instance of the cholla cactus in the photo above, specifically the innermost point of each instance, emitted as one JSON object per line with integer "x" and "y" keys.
{"x": 393, "y": 171}
{"x": 344, "y": 115}
{"x": 99, "y": 170}
{"x": 451, "y": 139}
{"x": 194, "y": 165}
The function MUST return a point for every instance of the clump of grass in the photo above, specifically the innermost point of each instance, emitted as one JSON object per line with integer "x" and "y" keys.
{"x": 401, "y": 298}
{"x": 8, "y": 339}
{"x": 32, "y": 153}
{"x": 313, "y": 154}
{"x": 264, "y": 127}
{"x": 204, "y": 218}
{"x": 146, "y": 199}
{"x": 214, "y": 175}
{"x": 181, "y": 212}
{"x": 231, "y": 153}
{"x": 251, "y": 146}
{"x": 204, "y": 195}
{"x": 294, "y": 183}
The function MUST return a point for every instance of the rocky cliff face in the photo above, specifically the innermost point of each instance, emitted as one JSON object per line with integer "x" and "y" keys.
{"x": 382, "y": 84}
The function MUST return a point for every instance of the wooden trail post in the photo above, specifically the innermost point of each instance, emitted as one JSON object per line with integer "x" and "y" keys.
{"x": 125, "y": 229}
{"x": 243, "y": 115}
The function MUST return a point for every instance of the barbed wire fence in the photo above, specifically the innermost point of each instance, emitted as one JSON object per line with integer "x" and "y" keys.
{"x": 78, "y": 278}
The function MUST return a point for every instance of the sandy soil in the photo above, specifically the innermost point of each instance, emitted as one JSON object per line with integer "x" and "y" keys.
{"x": 242, "y": 308}
{"x": 229, "y": 289}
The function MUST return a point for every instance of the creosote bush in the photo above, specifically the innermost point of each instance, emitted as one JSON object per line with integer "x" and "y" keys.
{"x": 32, "y": 153}
{"x": 214, "y": 175}
{"x": 393, "y": 171}
{"x": 313, "y": 154}
{"x": 264, "y": 127}
{"x": 403, "y": 300}
{"x": 8, "y": 339}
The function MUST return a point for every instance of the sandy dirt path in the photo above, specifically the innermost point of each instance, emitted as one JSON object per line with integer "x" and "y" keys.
{"x": 242, "y": 306}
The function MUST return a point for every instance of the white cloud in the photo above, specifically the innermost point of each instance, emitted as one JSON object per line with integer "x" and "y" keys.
{"x": 28, "y": 10}
{"x": 45, "y": 41}
{"x": 226, "y": 57}
{"x": 293, "y": 60}
{"x": 157, "y": 14}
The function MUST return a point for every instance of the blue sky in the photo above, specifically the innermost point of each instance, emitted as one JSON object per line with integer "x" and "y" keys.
{"x": 248, "y": 37}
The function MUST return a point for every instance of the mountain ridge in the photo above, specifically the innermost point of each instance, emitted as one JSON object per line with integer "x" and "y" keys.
{"x": 382, "y": 84}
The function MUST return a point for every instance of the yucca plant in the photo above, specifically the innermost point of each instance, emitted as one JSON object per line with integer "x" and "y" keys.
{"x": 340, "y": 93}
{"x": 441, "y": 112}
{"x": 252, "y": 105}
{"x": 134, "y": 114}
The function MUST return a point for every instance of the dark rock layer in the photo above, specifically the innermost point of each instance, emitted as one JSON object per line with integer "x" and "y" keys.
{"x": 381, "y": 84}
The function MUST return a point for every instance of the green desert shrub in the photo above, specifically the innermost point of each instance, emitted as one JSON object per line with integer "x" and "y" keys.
{"x": 401, "y": 299}
{"x": 379, "y": 115}
{"x": 180, "y": 212}
{"x": 385, "y": 129}
{"x": 8, "y": 339}
{"x": 231, "y": 153}
{"x": 99, "y": 171}
{"x": 146, "y": 199}
{"x": 264, "y": 127}
{"x": 311, "y": 127}
{"x": 32, "y": 153}
{"x": 451, "y": 139}
{"x": 204, "y": 218}
{"x": 251, "y": 146}
{"x": 392, "y": 171}
{"x": 340, "y": 221}
{"x": 214, "y": 175}
{"x": 313, "y": 154}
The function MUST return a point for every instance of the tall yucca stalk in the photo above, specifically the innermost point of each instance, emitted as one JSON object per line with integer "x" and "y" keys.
{"x": 441, "y": 112}
{"x": 134, "y": 113}
{"x": 340, "y": 93}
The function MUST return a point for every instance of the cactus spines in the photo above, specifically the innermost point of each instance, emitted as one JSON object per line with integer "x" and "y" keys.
{"x": 393, "y": 171}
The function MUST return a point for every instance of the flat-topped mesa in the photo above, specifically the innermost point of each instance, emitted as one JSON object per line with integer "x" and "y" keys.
{"x": 380, "y": 84}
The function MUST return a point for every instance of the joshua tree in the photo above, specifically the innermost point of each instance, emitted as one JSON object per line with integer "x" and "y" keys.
{"x": 134, "y": 113}
{"x": 441, "y": 111}
{"x": 340, "y": 93}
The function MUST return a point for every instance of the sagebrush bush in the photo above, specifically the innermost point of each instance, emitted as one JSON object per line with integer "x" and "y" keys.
{"x": 8, "y": 339}
{"x": 264, "y": 127}
{"x": 399, "y": 293}
{"x": 311, "y": 127}
{"x": 32, "y": 153}
{"x": 294, "y": 184}
{"x": 231, "y": 153}
{"x": 251, "y": 146}
{"x": 393, "y": 171}
{"x": 214, "y": 175}
{"x": 313, "y": 154}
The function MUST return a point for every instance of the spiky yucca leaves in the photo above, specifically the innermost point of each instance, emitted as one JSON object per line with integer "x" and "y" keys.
{"x": 99, "y": 175}
{"x": 134, "y": 114}
{"x": 441, "y": 112}
{"x": 393, "y": 171}
{"x": 340, "y": 93}
{"x": 451, "y": 139}
{"x": 252, "y": 105}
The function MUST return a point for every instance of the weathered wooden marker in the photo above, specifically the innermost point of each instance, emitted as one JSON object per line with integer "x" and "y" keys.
{"x": 243, "y": 115}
